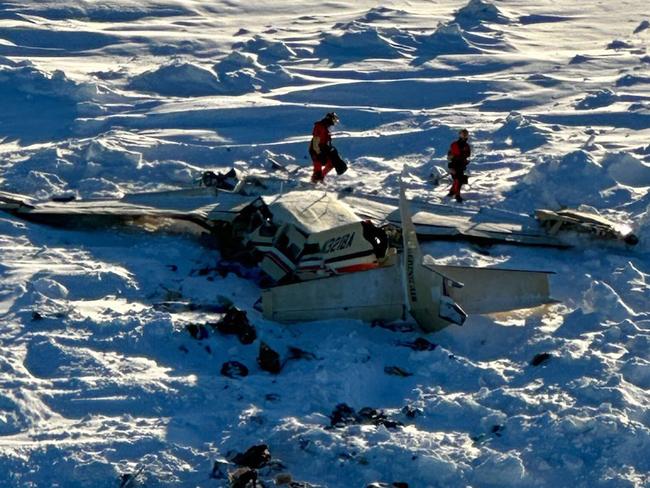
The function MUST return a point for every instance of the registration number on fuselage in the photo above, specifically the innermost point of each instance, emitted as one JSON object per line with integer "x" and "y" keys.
{"x": 338, "y": 243}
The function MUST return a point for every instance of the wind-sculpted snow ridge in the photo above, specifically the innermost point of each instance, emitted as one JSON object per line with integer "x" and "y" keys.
{"x": 556, "y": 182}
{"x": 358, "y": 42}
{"x": 447, "y": 39}
{"x": 241, "y": 73}
{"x": 235, "y": 74}
{"x": 643, "y": 25}
{"x": 24, "y": 77}
{"x": 94, "y": 168}
{"x": 478, "y": 12}
{"x": 627, "y": 170}
{"x": 378, "y": 14}
{"x": 632, "y": 80}
{"x": 178, "y": 78}
{"x": 643, "y": 231}
{"x": 52, "y": 99}
{"x": 453, "y": 39}
{"x": 597, "y": 99}
{"x": 618, "y": 45}
{"x": 268, "y": 51}
{"x": 105, "y": 11}
{"x": 468, "y": 32}
{"x": 518, "y": 131}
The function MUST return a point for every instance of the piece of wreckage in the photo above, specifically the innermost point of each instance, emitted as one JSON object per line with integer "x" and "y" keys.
{"x": 436, "y": 296}
{"x": 584, "y": 220}
{"x": 325, "y": 260}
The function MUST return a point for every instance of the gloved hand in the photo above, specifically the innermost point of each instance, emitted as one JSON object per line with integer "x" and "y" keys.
{"x": 317, "y": 176}
{"x": 324, "y": 153}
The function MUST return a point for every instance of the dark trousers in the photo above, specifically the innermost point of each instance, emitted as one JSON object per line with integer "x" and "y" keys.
{"x": 326, "y": 161}
{"x": 458, "y": 179}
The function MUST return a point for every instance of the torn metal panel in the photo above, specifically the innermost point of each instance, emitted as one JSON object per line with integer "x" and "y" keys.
{"x": 587, "y": 222}
{"x": 435, "y": 221}
{"x": 201, "y": 206}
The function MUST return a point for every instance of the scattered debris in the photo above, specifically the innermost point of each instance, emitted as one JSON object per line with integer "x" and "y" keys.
{"x": 411, "y": 412}
{"x": 397, "y": 371}
{"x": 344, "y": 415}
{"x": 497, "y": 429}
{"x": 198, "y": 332}
{"x": 36, "y": 316}
{"x": 217, "y": 473}
{"x": 129, "y": 479}
{"x": 297, "y": 353}
{"x": 172, "y": 306}
{"x": 268, "y": 359}
{"x": 540, "y": 358}
{"x": 396, "y": 484}
{"x": 224, "y": 181}
{"x": 234, "y": 369}
{"x": 255, "y": 457}
{"x": 283, "y": 479}
{"x": 243, "y": 478}
{"x": 394, "y": 326}
{"x": 419, "y": 344}
{"x": 373, "y": 416}
{"x": 236, "y": 322}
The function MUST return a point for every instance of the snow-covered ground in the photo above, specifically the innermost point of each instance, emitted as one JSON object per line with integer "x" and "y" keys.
{"x": 102, "y": 98}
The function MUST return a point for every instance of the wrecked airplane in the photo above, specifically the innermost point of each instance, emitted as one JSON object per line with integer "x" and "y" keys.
{"x": 317, "y": 247}
{"x": 432, "y": 294}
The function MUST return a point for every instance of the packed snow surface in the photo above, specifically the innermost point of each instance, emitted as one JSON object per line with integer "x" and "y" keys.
{"x": 99, "y": 381}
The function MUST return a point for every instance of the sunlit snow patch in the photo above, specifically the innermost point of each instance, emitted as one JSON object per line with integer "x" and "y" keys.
{"x": 242, "y": 73}
{"x": 447, "y": 39}
{"x": 178, "y": 78}
{"x": 643, "y": 229}
{"x": 518, "y": 131}
{"x": 627, "y": 170}
{"x": 268, "y": 51}
{"x": 563, "y": 182}
{"x": 358, "y": 42}
{"x": 382, "y": 13}
{"x": 105, "y": 11}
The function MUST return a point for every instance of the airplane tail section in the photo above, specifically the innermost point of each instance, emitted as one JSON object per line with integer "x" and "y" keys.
{"x": 426, "y": 289}
{"x": 488, "y": 290}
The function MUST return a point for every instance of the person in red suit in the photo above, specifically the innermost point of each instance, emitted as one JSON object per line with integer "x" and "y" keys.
{"x": 324, "y": 156}
{"x": 458, "y": 157}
